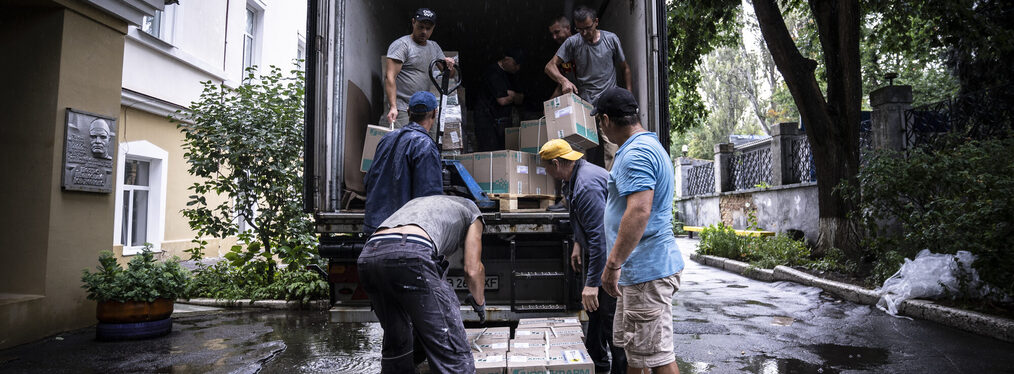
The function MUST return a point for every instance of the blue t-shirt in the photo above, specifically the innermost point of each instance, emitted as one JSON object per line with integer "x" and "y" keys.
{"x": 642, "y": 164}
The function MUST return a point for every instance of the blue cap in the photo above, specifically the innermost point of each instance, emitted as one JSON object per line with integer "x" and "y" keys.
{"x": 422, "y": 102}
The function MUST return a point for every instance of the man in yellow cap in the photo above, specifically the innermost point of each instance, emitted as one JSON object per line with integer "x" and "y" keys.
{"x": 585, "y": 187}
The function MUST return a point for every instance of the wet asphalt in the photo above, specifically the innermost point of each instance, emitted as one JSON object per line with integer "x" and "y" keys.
{"x": 724, "y": 323}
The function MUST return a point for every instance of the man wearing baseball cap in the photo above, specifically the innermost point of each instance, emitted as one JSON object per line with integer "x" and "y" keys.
{"x": 644, "y": 264}
{"x": 406, "y": 165}
{"x": 408, "y": 66}
{"x": 585, "y": 189}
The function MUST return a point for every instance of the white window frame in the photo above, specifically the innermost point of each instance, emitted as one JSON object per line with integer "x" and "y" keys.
{"x": 168, "y": 21}
{"x": 300, "y": 52}
{"x": 157, "y": 158}
{"x": 254, "y": 39}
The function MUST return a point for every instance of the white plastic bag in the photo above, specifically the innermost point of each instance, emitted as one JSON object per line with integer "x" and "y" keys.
{"x": 929, "y": 276}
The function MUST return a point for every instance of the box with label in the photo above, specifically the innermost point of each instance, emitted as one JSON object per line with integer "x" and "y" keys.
{"x": 373, "y": 135}
{"x": 569, "y": 117}
{"x": 490, "y": 361}
{"x": 518, "y": 344}
{"x": 553, "y": 333}
{"x": 533, "y": 135}
{"x": 541, "y": 182}
{"x": 512, "y": 138}
{"x": 573, "y": 361}
{"x": 526, "y": 323}
{"x": 491, "y": 334}
{"x": 502, "y": 171}
{"x": 453, "y": 137}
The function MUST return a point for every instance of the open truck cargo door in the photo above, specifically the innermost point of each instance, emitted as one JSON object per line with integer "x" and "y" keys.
{"x": 318, "y": 151}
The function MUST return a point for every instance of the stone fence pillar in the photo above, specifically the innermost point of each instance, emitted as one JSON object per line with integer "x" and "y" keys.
{"x": 782, "y": 135}
{"x": 723, "y": 174}
{"x": 889, "y": 106}
{"x": 683, "y": 166}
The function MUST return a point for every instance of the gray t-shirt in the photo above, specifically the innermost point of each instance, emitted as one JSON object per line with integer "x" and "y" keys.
{"x": 444, "y": 218}
{"x": 596, "y": 63}
{"x": 415, "y": 68}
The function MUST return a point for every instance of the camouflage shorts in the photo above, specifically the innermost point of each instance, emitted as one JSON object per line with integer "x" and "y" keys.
{"x": 643, "y": 323}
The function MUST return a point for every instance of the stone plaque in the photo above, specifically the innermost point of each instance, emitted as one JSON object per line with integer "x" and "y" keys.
{"x": 88, "y": 152}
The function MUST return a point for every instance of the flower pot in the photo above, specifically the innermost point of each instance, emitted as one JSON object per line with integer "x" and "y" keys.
{"x": 133, "y": 311}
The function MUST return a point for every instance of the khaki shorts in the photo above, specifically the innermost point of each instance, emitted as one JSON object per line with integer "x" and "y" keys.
{"x": 643, "y": 323}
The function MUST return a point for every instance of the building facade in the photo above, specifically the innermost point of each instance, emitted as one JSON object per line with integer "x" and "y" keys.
{"x": 165, "y": 60}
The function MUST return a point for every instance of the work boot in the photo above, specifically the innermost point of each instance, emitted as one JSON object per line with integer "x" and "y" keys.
{"x": 558, "y": 207}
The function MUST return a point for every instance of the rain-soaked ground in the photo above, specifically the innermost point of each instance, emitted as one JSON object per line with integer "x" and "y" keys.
{"x": 724, "y": 323}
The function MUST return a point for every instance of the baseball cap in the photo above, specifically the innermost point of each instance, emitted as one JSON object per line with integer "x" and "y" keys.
{"x": 425, "y": 14}
{"x": 422, "y": 102}
{"x": 615, "y": 102}
{"x": 559, "y": 148}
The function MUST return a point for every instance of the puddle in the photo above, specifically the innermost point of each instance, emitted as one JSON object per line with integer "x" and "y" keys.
{"x": 693, "y": 367}
{"x": 782, "y": 321}
{"x": 755, "y": 302}
{"x": 773, "y": 365}
{"x": 698, "y": 320}
{"x": 849, "y": 357}
{"x": 737, "y": 286}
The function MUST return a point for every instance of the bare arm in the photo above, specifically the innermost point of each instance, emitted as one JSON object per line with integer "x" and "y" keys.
{"x": 632, "y": 225}
{"x": 391, "y": 88}
{"x": 475, "y": 272}
{"x": 506, "y": 100}
{"x": 625, "y": 69}
{"x": 554, "y": 73}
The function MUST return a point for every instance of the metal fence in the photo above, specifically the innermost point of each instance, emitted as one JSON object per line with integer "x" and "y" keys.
{"x": 701, "y": 179}
{"x": 751, "y": 167}
{"x": 801, "y": 160}
{"x": 982, "y": 115}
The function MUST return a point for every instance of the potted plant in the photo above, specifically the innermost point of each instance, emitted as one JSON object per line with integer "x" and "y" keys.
{"x": 135, "y": 302}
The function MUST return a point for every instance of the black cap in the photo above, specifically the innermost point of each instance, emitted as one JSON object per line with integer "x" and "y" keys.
{"x": 515, "y": 53}
{"x": 425, "y": 14}
{"x": 615, "y": 102}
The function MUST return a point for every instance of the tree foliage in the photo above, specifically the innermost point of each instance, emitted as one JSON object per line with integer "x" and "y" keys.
{"x": 245, "y": 144}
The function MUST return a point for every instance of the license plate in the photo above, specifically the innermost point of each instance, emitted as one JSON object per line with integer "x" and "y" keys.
{"x": 459, "y": 283}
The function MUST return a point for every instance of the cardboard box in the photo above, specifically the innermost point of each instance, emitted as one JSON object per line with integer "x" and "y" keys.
{"x": 569, "y": 117}
{"x": 490, "y": 362}
{"x": 512, "y": 138}
{"x": 453, "y": 136}
{"x": 502, "y": 171}
{"x": 530, "y": 361}
{"x": 528, "y": 323}
{"x": 533, "y": 135}
{"x": 496, "y": 334}
{"x": 373, "y": 135}
{"x": 542, "y": 183}
{"x": 553, "y": 333}
{"x": 521, "y": 344}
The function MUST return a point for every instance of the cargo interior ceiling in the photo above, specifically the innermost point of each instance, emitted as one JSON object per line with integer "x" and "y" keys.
{"x": 478, "y": 31}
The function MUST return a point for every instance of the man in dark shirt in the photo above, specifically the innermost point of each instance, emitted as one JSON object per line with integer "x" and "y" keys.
{"x": 586, "y": 190}
{"x": 498, "y": 93}
{"x": 406, "y": 165}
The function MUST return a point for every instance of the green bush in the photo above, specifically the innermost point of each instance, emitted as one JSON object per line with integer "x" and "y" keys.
{"x": 226, "y": 280}
{"x": 144, "y": 279}
{"x": 780, "y": 249}
{"x": 958, "y": 197}
{"x": 721, "y": 240}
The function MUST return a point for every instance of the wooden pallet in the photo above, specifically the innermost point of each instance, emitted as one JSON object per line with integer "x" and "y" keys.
{"x": 523, "y": 203}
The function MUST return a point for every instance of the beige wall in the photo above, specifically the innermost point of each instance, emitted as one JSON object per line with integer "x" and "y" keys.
{"x": 65, "y": 58}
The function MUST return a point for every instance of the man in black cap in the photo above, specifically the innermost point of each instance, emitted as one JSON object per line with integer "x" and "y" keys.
{"x": 500, "y": 91}
{"x": 408, "y": 66}
{"x": 406, "y": 165}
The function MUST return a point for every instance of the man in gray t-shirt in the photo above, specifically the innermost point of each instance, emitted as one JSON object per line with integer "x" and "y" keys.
{"x": 400, "y": 270}
{"x": 597, "y": 55}
{"x": 408, "y": 66}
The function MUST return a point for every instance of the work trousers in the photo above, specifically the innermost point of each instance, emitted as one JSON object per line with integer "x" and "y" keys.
{"x": 600, "y": 337}
{"x": 404, "y": 284}
{"x": 489, "y": 133}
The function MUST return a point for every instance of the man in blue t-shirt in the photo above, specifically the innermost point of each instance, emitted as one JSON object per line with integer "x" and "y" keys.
{"x": 644, "y": 264}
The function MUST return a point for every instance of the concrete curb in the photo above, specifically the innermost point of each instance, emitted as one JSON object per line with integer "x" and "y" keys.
{"x": 263, "y": 304}
{"x": 974, "y": 322}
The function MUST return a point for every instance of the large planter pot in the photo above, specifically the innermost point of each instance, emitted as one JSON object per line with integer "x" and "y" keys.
{"x": 133, "y": 311}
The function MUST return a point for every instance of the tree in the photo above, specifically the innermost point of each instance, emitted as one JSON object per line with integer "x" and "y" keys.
{"x": 245, "y": 144}
{"x": 831, "y": 122}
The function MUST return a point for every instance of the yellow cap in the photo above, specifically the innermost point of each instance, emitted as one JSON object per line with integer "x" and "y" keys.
{"x": 559, "y": 148}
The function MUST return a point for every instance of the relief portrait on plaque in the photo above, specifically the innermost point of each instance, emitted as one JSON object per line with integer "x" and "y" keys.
{"x": 88, "y": 152}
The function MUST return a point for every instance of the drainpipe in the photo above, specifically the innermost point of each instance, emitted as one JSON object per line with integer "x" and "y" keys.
{"x": 225, "y": 44}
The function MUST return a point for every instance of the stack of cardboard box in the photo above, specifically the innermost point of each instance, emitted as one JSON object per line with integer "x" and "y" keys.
{"x": 489, "y": 348}
{"x": 540, "y": 345}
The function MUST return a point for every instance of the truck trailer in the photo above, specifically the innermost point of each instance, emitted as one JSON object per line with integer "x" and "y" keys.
{"x": 526, "y": 254}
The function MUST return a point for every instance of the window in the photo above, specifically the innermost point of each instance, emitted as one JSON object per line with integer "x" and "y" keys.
{"x": 301, "y": 53}
{"x": 140, "y": 196}
{"x": 162, "y": 24}
{"x": 250, "y": 38}
{"x": 153, "y": 24}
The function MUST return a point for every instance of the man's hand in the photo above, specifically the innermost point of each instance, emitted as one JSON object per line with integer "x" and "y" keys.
{"x": 590, "y": 298}
{"x": 450, "y": 66}
{"x": 479, "y": 309}
{"x": 568, "y": 87}
{"x": 610, "y": 278}
{"x": 575, "y": 258}
{"x": 392, "y": 115}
